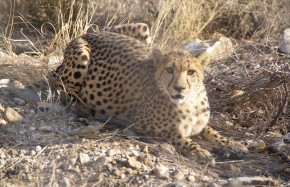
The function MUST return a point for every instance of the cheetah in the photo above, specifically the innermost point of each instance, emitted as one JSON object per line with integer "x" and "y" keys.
{"x": 140, "y": 31}
{"x": 158, "y": 95}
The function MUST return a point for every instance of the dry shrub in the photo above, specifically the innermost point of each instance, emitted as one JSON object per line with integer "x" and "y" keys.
{"x": 251, "y": 19}
{"x": 254, "y": 91}
{"x": 180, "y": 20}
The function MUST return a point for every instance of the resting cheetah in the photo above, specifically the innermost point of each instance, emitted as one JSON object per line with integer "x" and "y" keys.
{"x": 158, "y": 95}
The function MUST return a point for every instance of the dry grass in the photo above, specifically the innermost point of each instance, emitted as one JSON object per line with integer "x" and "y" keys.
{"x": 255, "y": 89}
{"x": 254, "y": 98}
{"x": 177, "y": 21}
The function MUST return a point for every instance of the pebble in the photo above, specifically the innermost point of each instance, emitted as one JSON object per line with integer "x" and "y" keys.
{"x": 64, "y": 182}
{"x": 14, "y": 152}
{"x": 256, "y": 180}
{"x": 178, "y": 184}
{"x": 26, "y": 168}
{"x": 134, "y": 163}
{"x": 256, "y": 145}
{"x": 276, "y": 147}
{"x": 191, "y": 178}
{"x": 205, "y": 178}
{"x": 286, "y": 138}
{"x": 161, "y": 170}
{"x": 232, "y": 168}
{"x": 101, "y": 161}
{"x": 213, "y": 184}
{"x": 38, "y": 148}
{"x": 111, "y": 152}
{"x": 178, "y": 175}
{"x": 285, "y": 45}
{"x": 4, "y": 83}
{"x": 222, "y": 67}
{"x": 84, "y": 158}
{"x": 2, "y": 108}
{"x": 96, "y": 177}
{"x": 45, "y": 128}
{"x": 32, "y": 153}
{"x": 31, "y": 128}
{"x": 19, "y": 101}
{"x": 73, "y": 160}
{"x": 3, "y": 122}
{"x": 12, "y": 116}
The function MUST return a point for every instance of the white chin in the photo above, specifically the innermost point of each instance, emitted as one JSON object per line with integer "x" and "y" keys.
{"x": 178, "y": 101}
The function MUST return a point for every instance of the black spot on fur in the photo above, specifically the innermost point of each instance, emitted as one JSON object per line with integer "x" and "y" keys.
{"x": 77, "y": 75}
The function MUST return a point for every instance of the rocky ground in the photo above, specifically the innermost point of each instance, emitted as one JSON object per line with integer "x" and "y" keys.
{"x": 45, "y": 143}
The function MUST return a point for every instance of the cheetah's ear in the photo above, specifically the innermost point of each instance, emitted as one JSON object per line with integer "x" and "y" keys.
{"x": 157, "y": 56}
{"x": 204, "y": 58}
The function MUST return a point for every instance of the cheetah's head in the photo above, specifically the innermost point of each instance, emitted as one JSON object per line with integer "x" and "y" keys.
{"x": 179, "y": 74}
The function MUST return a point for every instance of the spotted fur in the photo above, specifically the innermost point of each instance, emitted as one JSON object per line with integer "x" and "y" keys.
{"x": 158, "y": 95}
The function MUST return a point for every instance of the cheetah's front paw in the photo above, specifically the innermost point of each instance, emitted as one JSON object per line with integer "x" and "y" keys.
{"x": 202, "y": 155}
{"x": 237, "y": 147}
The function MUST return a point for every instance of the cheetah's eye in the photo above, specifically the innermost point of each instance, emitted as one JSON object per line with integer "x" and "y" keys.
{"x": 190, "y": 72}
{"x": 169, "y": 70}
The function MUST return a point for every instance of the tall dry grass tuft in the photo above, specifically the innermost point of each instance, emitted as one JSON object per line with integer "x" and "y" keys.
{"x": 180, "y": 20}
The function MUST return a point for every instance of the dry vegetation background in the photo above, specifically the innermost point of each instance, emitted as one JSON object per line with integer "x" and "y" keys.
{"x": 171, "y": 21}
{"x": 44, "y": 27}
{"x": 252, "y": 93}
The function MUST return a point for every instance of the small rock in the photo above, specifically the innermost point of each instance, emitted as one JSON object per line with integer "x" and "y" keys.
{"x": 286, "y": 138}
{"x": 32, "y": 153}
{"x": 4, "y": 83}
{"x": 161, "y": 170}
{"x": 222, "y": 67}
{"x": 110, "y": 167}
{"x": 96, "y": 177}
{"x": 205, "y": 178}
{"x": 111, "y": 152}
{"x": 256, "y": 181}
{"x": 38, "y": 148}
{"x": 12, "y": 116}
{"x": 64, "y": 182}
{"x": 178, "y": 175}
{"x": 285, "y": 45}
{"x": 134, "y": 163}
{"x": 227, "y": 153}
{"x": 256, "y": 145}
{"x": 84, "y": 158}
{"x": 14, "y": 152}
{"x": 179, "y": 184}
{"x": 3, "y": 122}
{"x": 45, "y": 128}
{"x": 213, "y": 184}
{"x": 72, "y": 160}
{"x": 232, "y": 168}
{"x": 276, "y": 147}
{"x": 18, "y": 101}
{"x": 101, "y": 161}
{"x": 2, "y": 108}
{"x": 29, "y": 177}
{"x": 26, "y": 168}
{"x": 122, "y": 176}
{"x": 191, "y": 178}
{"x": 212, "y": 174}
{"x": 31, "y": 128}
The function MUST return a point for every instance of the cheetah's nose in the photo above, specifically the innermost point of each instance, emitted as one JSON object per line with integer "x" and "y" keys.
{"x": 179, "y": 88}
